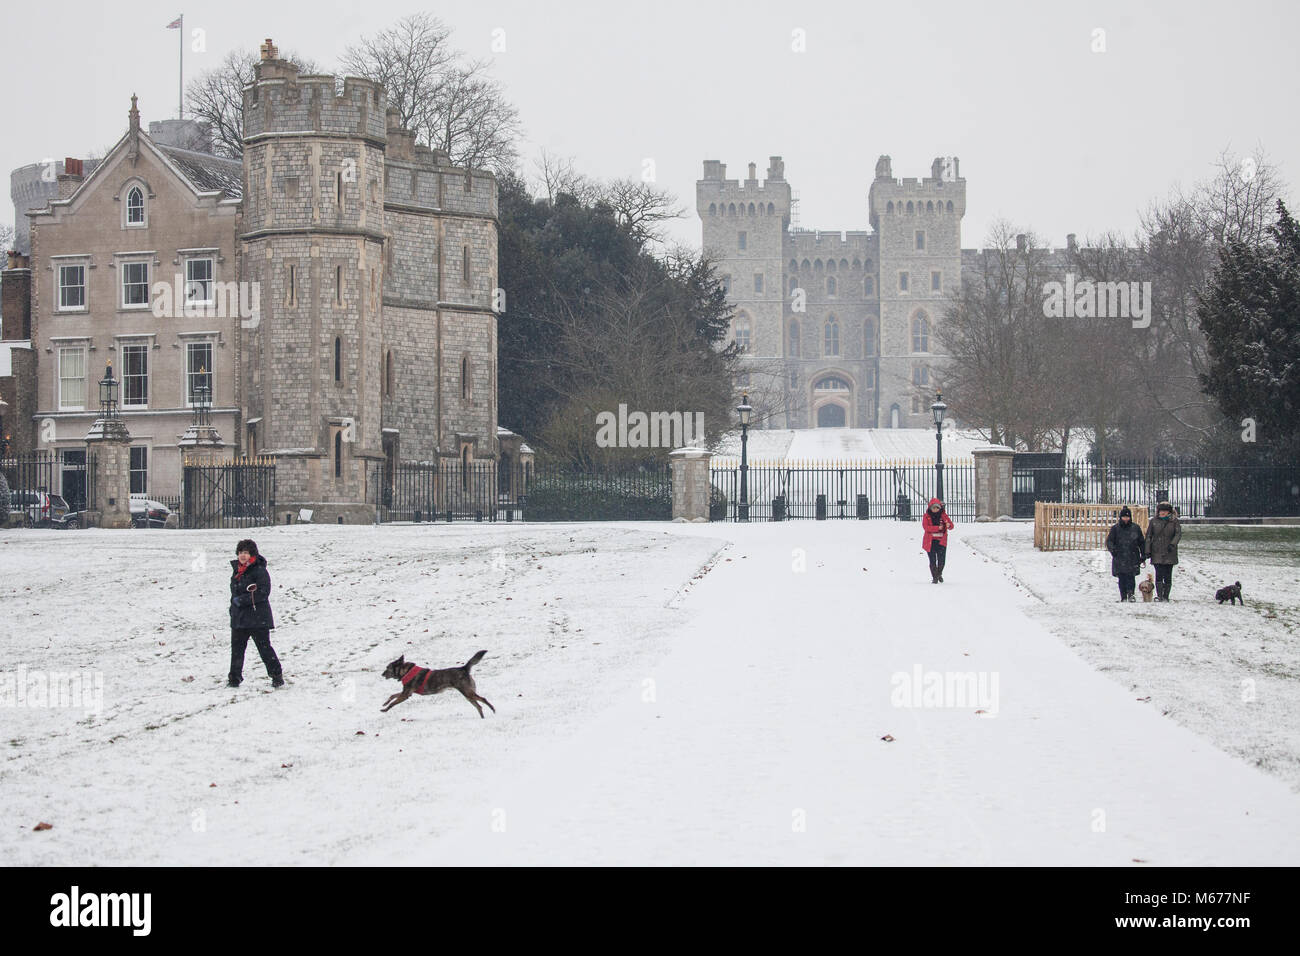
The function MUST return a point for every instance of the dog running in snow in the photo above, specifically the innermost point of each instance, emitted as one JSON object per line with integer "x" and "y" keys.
{"x": 422, "y": 680}
{"x": 1231, "y": 594}
{"x": 1147, "y": 587}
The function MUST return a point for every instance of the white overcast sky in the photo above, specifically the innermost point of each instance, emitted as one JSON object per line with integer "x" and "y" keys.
{"x": 1051, "y": 135}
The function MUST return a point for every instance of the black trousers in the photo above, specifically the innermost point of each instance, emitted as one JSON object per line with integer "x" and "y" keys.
{"x": 1164, "y": 580}
{"x": 1127, "y": 584}
{"x": 938, "y": 552}
{"x": 239, "y": 642}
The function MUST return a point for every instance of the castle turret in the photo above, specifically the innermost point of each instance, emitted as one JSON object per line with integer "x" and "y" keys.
{"x": 313, "y": 239}
{"x": 745, "y": 225}
{"x": 918, "y": 225}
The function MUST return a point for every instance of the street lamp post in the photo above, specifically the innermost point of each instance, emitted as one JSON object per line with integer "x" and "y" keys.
{"x": 108, "y": 393}
{"x": 938, "y": 409}
{"x": 745, "y": 410}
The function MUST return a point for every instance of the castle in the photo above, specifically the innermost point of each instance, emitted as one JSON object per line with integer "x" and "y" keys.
{"x": 366, "y": 268}
{"x": 837, "y": 329}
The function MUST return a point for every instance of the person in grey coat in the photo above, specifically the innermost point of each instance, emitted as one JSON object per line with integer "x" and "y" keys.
{"x": 1127, "y": 546}
{"x": 1163, "y": 534}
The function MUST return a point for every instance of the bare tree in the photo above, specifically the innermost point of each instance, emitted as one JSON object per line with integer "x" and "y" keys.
{"x": 7, "y": 236}
{"x": 641, "y": 207}
{"x": 216, "y": 97}
{"x": 1004, "y": 354}
{"x": 449, "y": 102}
{"x": 554, "y": 174}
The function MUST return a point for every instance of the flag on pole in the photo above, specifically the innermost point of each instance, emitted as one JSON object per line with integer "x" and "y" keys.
{"x": 175, "y": 24}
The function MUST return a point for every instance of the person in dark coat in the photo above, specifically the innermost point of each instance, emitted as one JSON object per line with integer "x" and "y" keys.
{"x": 935, "y": 525}
{"x": 1127, "y": 546}
{"x": 250, "y": 613}
{"x": 1163, "y": 535}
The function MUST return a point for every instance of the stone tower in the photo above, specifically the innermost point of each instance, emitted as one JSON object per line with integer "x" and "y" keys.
{"x": 313, "y": 239}
{"x": 744, "y": 229}
{"x": 918, "y": 229}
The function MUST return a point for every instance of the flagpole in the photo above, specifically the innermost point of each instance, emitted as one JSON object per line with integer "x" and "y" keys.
{"x": 180, "y": 83}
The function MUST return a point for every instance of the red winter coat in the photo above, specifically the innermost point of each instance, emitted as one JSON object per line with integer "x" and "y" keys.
{"x": 935, "y": 528}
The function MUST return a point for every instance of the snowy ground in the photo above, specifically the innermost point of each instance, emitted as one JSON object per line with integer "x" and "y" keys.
{"x": 851, "y": 445}
{"x": 664, "y": 693}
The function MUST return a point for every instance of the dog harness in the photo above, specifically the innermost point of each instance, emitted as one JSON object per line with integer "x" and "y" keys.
{"x": 417, "y": 675}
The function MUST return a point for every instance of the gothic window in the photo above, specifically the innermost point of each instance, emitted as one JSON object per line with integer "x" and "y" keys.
{"x": 794, "y": 339}
{"x": 832, "y": 336}
{"x": 920, "y": 240}
{"x": 794, "y": 265}
{"x": 844, "y": 265}
{"x": 870, "y": 265}
{"x": 388, "y": 374}
{"x": 869, "y": 286}
{"x": 817, "y": 266}
{"x": 889, "y": 208}
{"x": 742, "y": 240}
{"x": 869, "y": 336}
{"x": 830, "y": 285}
{"x": 805, "y": 266}
{"x": 731, "y": 210}
{"x": 950, "y": 205}
{"x": 338, "y": 454}
{"x": 751, "y": 209}
{"x": 135, "y": 206}
{"x": 903, "y": 282}
{"x": 758, "y": 282}
{"x": 338, "y": 359}
{"x": 920, "y": 332}
{"x": 743, "y": 331}
{"x": 771, "y": 209}
{"x": 831, "y": 383}
{"x": 910, "y": 210}
{"x": 936, "y": 281}
{"x": 464, "y": 378}
{"x": 929, "y": 206}
{"x": 794, "y": 284}
{"x": 857, "y": 263}
{"x": 830, "y": 265}
{"x": 713, "y": 209}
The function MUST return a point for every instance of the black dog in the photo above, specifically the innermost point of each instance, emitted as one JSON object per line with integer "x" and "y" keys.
{"x": 422, "y": 680}
{"x": 1231, "y": 594}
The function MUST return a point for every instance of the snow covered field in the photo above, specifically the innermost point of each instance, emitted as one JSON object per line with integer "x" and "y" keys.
{"x": 665, "y": 694}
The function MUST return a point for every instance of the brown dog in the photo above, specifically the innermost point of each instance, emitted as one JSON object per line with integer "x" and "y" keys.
{"x": 422, "y": 680}
{"x": 1146, "y": 587}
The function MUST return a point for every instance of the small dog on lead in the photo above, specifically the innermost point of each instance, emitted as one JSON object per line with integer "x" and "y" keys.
{"x": 422, "y": 680}
{"x": 1147, "y": 587}
{"x": 1231, "y": 594}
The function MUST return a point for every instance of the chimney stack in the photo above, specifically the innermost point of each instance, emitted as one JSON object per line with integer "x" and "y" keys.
{"x": 1021, "y": 242}
{"x": 269, "y": 52}
{"x": 1071, "y": 243}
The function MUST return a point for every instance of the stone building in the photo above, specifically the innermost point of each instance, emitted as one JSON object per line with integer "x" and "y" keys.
{"x": 148, "y": 216}
{"x": 376, "y": 261}
{"x": 335, "y": 290}
{"x": 838, "y": 328}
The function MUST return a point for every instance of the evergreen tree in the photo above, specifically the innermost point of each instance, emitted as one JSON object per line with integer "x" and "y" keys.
{"x": 1250, "y": 315}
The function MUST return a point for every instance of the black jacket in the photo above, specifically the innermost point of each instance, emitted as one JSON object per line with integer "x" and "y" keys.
{"x": 250, "y": 610}
{"x": 1127, "y": 547}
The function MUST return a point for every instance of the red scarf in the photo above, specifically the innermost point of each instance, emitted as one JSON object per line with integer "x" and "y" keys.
{"x": 239, "y": 572}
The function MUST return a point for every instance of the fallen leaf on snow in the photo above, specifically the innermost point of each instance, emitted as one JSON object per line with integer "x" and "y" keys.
{"x": 888, "y": 738}
{"x": 43, "y": 826}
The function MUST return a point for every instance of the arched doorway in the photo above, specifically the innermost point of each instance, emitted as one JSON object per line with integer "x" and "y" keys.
{"x": 831, "y": 415}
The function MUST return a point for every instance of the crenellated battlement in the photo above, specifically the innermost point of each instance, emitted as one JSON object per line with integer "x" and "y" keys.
{"x": 820, "y": 241}
{"x": 717, "y": 196}
{"x": 280, "y": 100}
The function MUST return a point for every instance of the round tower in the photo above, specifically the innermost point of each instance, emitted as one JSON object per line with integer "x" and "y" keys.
{"x": 313, "y": 242}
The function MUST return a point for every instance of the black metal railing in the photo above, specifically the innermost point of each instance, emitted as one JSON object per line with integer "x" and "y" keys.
{"x": 1197, "y": 489}
{"x": 68, "y": 473}
{"x": 239, "y": 493}
{"x": 789, "y": 490}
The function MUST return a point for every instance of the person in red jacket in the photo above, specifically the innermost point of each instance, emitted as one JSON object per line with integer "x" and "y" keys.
{"x": 935, "y": 525}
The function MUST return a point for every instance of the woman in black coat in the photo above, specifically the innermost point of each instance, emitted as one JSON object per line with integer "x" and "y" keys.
{"x": 250, "y": 613}
{"x": 1127, "y": 546}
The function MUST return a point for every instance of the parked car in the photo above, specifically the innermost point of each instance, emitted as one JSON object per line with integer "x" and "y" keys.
{"x": 40, "y": 509}
{"x": 146, "y": 513}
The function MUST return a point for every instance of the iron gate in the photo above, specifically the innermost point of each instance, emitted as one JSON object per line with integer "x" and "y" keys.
{"x": 233, "y": 494}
